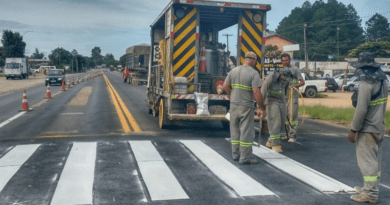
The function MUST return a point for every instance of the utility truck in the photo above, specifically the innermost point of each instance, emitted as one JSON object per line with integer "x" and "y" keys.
{"x": 137, "y": 63}
{"x": 16, "y": 68}
{"x": 187, "y": 57}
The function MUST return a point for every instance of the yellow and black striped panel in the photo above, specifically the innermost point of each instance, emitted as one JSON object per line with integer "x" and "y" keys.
{"x": 184, "y": 46}
{"x": 251, "y": 37}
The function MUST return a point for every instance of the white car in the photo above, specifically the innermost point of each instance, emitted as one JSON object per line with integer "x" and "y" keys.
{"x": 351, "y": 83}
{"x": 312, "y": 87}
{"x": 356, "y": 86}
{"x": 340, "y": 77}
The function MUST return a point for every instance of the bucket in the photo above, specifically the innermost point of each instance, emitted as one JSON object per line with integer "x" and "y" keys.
{"x": 180, "y": 89}
{"x": 191, "y": 108}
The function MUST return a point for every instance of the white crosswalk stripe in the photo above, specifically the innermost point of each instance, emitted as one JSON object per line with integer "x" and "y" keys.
{"x": 152, "y": 171}
{"x": 13, "y": 160}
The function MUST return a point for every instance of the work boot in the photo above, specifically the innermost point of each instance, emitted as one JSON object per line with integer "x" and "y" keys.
{"x": 358, "y": 189}
{"x": 268, "y": 144}
{"x": 292, "y": 140}
{"x": 277, "y": 148}
{"x": 236, "y": 158}
{"x": 363, "y": 199}
{"x": 284, "y": 138}
{"x": 251, "y": 161}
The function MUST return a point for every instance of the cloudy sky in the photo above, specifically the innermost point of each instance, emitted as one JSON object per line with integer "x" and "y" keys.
{"x": 114, "y": 25}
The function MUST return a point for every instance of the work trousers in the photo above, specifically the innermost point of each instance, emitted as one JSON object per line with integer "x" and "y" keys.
{"x": 276, "y": 117}
{"x": 292, "y": 131}
{"x": 242, "y": 131}
{"x": 369, "y": 157}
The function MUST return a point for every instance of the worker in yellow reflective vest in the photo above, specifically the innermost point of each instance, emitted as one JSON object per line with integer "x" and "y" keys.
{"x": 243, "y": 85}
{"x": 273, "y": 90}
{"x": 368, "y": 126}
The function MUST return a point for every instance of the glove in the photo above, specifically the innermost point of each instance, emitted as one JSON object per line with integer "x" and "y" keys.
{"x": 352, "y": 137}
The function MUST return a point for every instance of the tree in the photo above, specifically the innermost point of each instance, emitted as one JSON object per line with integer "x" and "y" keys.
{"x": 96, "y": 56}
{"x": 110, "y": 60}
{"x": 377, "y": 28}
{"x": 60, "y": 57}
{"x": 122, "y": 60}
{"x": 325, "y": 21}
{"x": 37, "y": 55}
{"x": 272, "y": 51}
{"x": 380, "y": 49}
{"x": 13, "y": 44}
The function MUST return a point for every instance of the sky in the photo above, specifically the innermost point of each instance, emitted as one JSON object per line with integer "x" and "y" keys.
{"x": 114, "y": 25}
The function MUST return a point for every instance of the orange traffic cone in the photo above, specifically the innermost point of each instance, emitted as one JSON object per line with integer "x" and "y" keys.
{"x": 25, "y": 106}
{"x": 63, "y": 86}
{"x": 72, "y": 81}
{"x": 342, "y": 89}
{"x": 48, "y": 92}
{"x": 68, "y": 85}
{"x": 203, "y": 63}
{"x": 77, "y": 80}
{"x": 82, "y": 79}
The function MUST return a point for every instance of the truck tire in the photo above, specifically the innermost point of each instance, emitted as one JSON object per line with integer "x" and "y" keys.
{"x": 163, "y": 120}
{"x": 310, "y": 92}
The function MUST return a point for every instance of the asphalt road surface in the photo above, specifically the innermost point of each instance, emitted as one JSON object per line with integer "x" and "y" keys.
{"x": 73, "y": 149}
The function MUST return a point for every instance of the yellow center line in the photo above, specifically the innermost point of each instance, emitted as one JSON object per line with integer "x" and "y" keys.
{"x": 129, "y": 116}
{"x": 125, "y": 126}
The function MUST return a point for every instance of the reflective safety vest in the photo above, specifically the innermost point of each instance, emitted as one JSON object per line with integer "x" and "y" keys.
{"x": 379, "y": 101}
{"x": 275, "y": 92}
{"x": 242, "y": 87}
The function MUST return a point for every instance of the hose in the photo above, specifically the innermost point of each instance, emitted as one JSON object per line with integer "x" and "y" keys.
{"x": 290, "y": 103}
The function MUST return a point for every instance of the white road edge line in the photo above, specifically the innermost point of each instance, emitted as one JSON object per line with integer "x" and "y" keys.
{"x": 75, "y": 185}
{"x": 13, "y": 160}
{"x": 11, "y": 119}
{"x": 159, "y": 179}
{"x": 236, "y": 179}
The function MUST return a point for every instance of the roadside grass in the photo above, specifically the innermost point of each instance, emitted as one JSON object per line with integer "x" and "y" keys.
{"x": 338, "y": 115}
{"x": 2, "y": 75}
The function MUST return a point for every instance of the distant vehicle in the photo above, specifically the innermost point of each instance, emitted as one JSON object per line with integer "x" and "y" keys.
{"x": 312, "y": 87}
{"x": 55, "y": 76}
{"x": 16, "y": 68}
{"x": 340, "y": 77}
{"x": 46, "y": 69}
{"x": 351, "y": 83}
{"x": 332, "y": 85}
{"x": 137, "y": 63}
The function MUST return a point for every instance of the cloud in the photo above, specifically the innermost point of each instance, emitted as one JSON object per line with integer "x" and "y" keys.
{"x": 5, "y": 24}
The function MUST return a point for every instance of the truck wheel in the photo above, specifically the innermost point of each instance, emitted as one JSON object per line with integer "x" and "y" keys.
{"x": 163, "y": 120}
{"x": 310, "y": 92}
{"x": 350, "y": 88}
{"x": 334, "y": 90}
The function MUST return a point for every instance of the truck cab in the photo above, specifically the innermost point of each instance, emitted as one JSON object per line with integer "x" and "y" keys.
{"x": 16, "y": 68}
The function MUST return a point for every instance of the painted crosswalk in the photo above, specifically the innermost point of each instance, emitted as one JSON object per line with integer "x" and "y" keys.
{"x": 148, "y": 170}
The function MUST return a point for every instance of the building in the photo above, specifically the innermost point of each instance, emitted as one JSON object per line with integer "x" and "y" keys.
{"x": 38, "y": 62}
{"x": 272, "y": 38}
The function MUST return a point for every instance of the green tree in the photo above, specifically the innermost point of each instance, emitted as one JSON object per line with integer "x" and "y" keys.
{"x": 377, "y": 28}
{"x": 96, "y": 56}
{"x": 37, "y": 55}
{"x": 380, "y": 49}
{"x": 60, "y": 57}
{"x": 110, "y": 60}
{"x": 13, "y": 44}
{"x": 122, "y": 60}
{"x": 324, "y": 21}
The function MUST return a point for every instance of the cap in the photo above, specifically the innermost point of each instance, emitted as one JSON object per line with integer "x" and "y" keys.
{"x": 251, "y": 55}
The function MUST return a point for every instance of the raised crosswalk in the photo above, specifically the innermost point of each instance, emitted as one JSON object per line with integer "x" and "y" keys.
{"x": 94, "y": 173}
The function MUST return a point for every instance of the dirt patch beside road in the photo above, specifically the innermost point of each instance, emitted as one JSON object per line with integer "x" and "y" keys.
{"x": 335, "y": 100}
{"x": 11, "y": 85}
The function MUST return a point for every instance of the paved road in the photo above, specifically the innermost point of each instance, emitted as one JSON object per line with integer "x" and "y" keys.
{"x": 65, "y": 154}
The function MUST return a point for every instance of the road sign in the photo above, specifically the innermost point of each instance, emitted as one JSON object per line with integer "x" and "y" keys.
{"x": 294, "y": 47}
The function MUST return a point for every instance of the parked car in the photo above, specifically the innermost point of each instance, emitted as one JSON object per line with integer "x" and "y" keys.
{"x": 55, "y": 76}
{"x": 312, "y": 87}
{"x": 332, "y": 85}
{"x": 351, "y": 83}
{"x": 340, "y": 77}
{"x": 356, "y": 86}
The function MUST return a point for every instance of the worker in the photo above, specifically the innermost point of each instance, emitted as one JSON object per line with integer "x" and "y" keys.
{"x": 296, "y": 81}
{"x": 273, "y": 90}
{"x": 368, "y": 126}
{"x": 243, "y": 85}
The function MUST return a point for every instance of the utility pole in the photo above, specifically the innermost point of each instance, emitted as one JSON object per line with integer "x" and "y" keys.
{"x": 338, "y": 43}
{"x": 227, "y": 40}
{"x": 306, "y": 56}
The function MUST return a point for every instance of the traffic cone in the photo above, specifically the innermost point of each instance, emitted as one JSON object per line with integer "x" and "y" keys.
{"x": 25, "y": 106}
{"x": 72, "y": 81}
{"x": 342, "y": 89}
{"x": 48, "y": 92}
{"x": 68, "y": 85}
{"x": 82, "y": 79}
{"x": 203, "y": 68}
{"x": 63, "y": 86}
{"x": 77, "y": 80}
